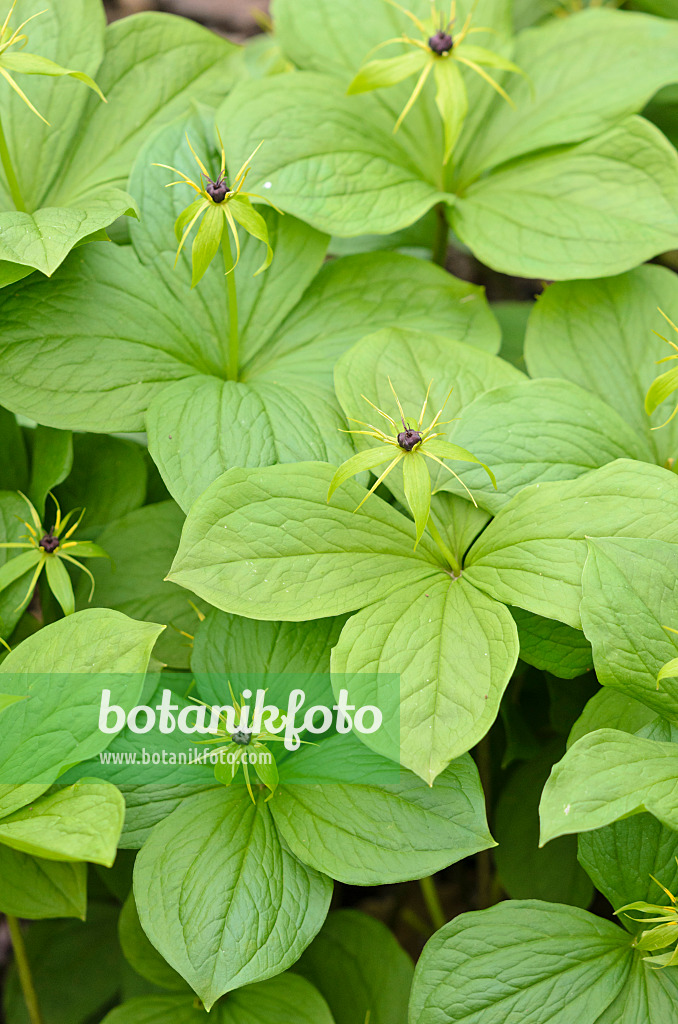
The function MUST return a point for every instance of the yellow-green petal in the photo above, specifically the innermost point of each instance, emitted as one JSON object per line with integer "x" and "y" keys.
{"x": 379, "y": 74}
{"x": 369, "y": 459}
{"x": 451, "y": 100}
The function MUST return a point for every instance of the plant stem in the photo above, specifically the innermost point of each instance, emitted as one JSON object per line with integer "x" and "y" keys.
{"x": 432, "y": 901}
{"x": 484, "y": 858}
{"x": 24, "y": 971}
{"x": 8, "y": 168}
{"x": 445, "y": 551}
{"x": 442, "y": 231}
{"x": 232, "y": 306}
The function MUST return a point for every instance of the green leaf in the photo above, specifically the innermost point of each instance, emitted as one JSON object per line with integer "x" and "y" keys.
{"x": 375, "y": 833}
{"x": 206, "y": 242}
{"x": 608, "y": 775}
{"x": 15, "y": 468}
{"x": 474, "y": 969}
{"x": 370, "y": 458}
{"x": 552, "y": 646}
{"x": 451, "y": 100}
{"x": 661, "y": 389}
{"x": 378, "y": 74}
{"x": 76, "y": 969}
{"x": 265, "y": 543}
{"x": 33, "y": 64}
{"x": 287, "y": 999}
{"x": 525, "y": 871}
{"x": 570, "y": 213}
{"x": 576, "y": 84}
{"x": 532, "y": 555}
{"x": 59, "y": 581}
{"x": 51, "y": 462}
{"x": 356, "y": 963}
{"x": 254, "y": 224}
{"x": 600, "y": 335}
{"x": 232, "y": 644}
{"x": 81, "y": 822}
{"x": 628, "y": 598}
{"x": 454, "y": 649}
{"x": 254, "y": 910}
{"x": 13, "y": 599}
{"x": 417, "y": 487}
{"x": 611, "y": 709}
{"x": 42, "y": 240}
{"x": 309, "y": 149}
{"x": 82, "y": 646}
{"x": 108, "y": 478}
{"x": 36, "y": 888}
{"x": 141, "y": 546}
{"x": 141, "y": 954}
{"x": 621, "y": 857}
{"x": 536, "y": 431}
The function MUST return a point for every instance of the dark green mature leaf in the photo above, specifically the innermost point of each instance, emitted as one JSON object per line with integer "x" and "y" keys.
{"x": 371, "y": 834}
{"x": 58, "y": 726}
{"x": 51, "y": 462}
{"x": 357, "y": 965}
{"x": 526, "y": 872}
{"x": 108, "y": 478}
{"x": 14, "y": 473}
{"x": 537, "y": 431}
{"x": 32, "y": 887}
{"x": 76, "y": 968}
{"x": 562, "y": 223}
{"x": 228, "y": 643}
{"x": 552, "y": 646}
{"x": 532, "y": 555}
{"x": 600, "y": 335}
{"x": 608, "y": 775}
{"x": 326, "y": 559}
{"x": 620, "y": 858}
{"x": 141, "y": 546}
{"x": 524, "y": 959}
{"x": 628, "y": 598}
{"x": 454, "y": 649}
{"x": 287, "y": 999}
{"x": 142, "y": 955}
{"x": 221, "y": 898}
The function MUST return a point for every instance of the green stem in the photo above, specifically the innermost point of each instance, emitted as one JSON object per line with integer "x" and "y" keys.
{"x": 24, "y": 971}
{"x": 232, "y": 306}
{"x": 484, "y": 858}
{"x": 432, "y": 901}
{"x": 442, "y": 232}
{"x": 8, "y": 168}
{"x": 445, "y": 551}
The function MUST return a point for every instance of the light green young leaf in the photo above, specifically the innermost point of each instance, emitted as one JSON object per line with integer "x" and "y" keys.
{"x": 600, "y": 335}
{"x": 532, "y": 554}
{"x": 357, "y": 964}
{"x": 378, "y": 74}
{"x": 535, "y": 431}
{"x": 628, "y": 597}
{"x": 451, "y": 100}
{"x": 60, "y": 582}
{"x": 454, "y": 649}
{"x": 307, "y": 150}
{"x": 474, "y": 969}
{"x": 570, "y": 211}
{"x": 81, "y": 822}
{"x": 608, "y": 775}
{"x": 206, "y": 242}
{"x": 317, "y": 559}
{"x": 142, "y": 955}
{"x": 417, "y": 487}
{"x": 256, "y": 907}
{"x": 370, "y": 834}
